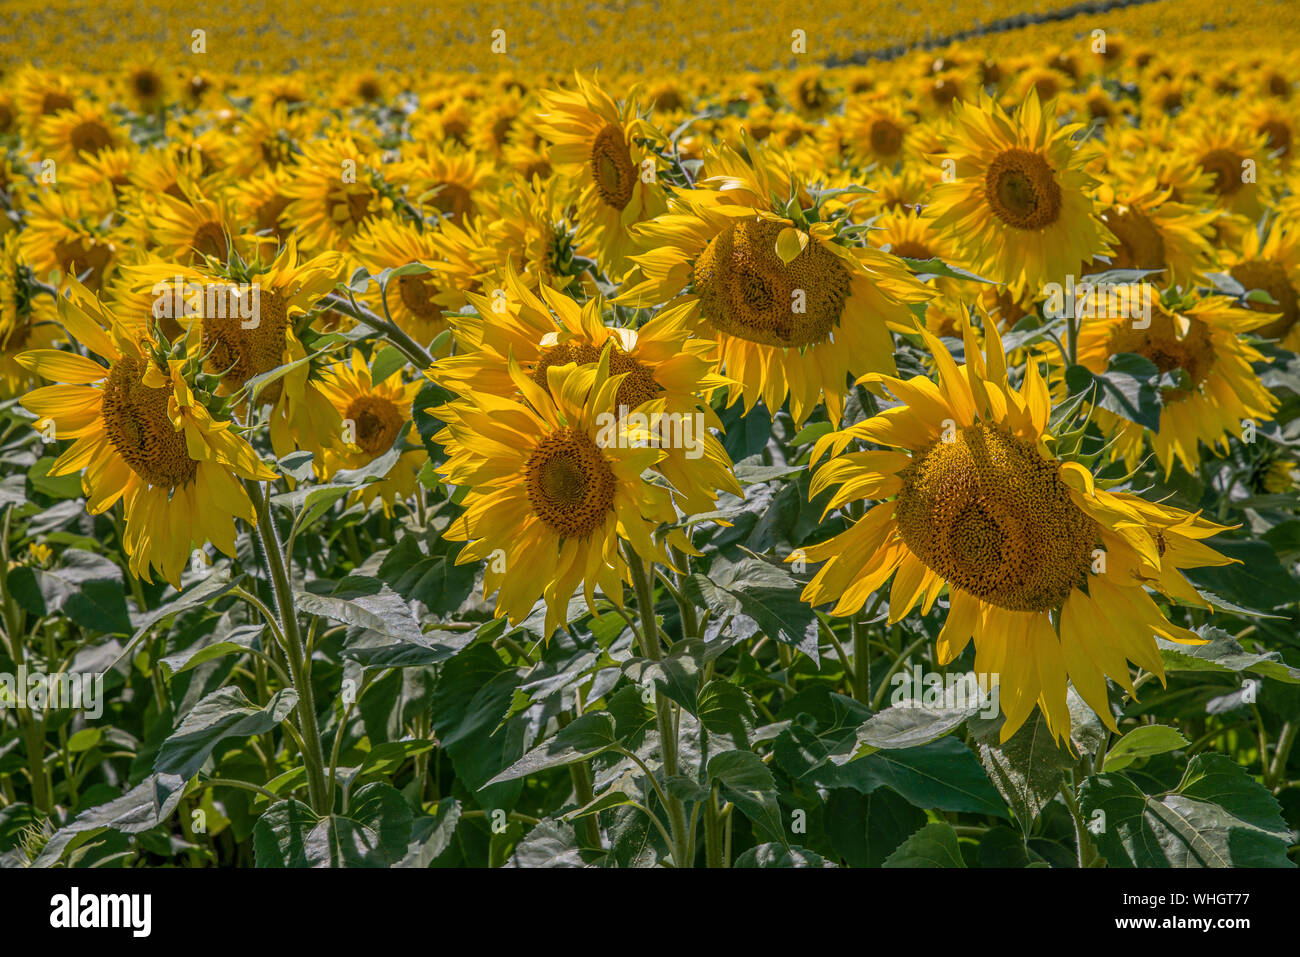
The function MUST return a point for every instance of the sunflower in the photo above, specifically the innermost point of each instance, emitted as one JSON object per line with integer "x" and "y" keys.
{"x": 1151, "y": 231}
{"x": 911, "y": 235}
{"x": 106, "y": 172}
{"x": 492, "y": 126}
{"x": 80, "y": 131}
{"x": 614, "y": 177}
{"x": 1019, "y": 206}
{"x": 331, "y": 194}
{"x": 146, "y": 85}
{"x": 1243, "y": 174}
{"x": 793, "y": 309}
{"x": 528, "y": 232}
{"x": 144, "y": 436}
{"x": 547, "y": 502}
{"x": 416, "y": 301}
{"x": 1045, "y": 570}
{"x": 67, "y": 236}
{"x": 1198, "y": 342}
{"x": 454, "y": 183}
{"x": 287, "y": 289}
{"x": 22, "y": 326}
{"x": 878, "y": 131}
{"x": 663, "y": 371}
{"x": 41, "y": 93}
{"x": 372, "y": 414}
{"x": 1271, "y": 263}
{"x": 190, "y": 230}
{"x": 261, "y": 201}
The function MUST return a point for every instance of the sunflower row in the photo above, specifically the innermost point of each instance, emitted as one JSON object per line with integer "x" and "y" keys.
{"x": 592, "y": 281}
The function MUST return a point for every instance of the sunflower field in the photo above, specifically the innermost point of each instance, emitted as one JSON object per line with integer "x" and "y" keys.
{"x": 604, "y": 435}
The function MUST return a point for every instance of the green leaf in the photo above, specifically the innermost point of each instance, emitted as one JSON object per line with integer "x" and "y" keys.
{"x": 743, "y": 770}
{"x": 583, "y": 737}
{"x": 761, "y": 594}
{"x": 145, "y": 806}
{"x": 225, "y": 713}
{"x": 780, "y": 855}
{"x": 55, "y": 486}
{"x": 1218, "y": 816}
{"x": 1258, "y": 580}
{"x": 934, "y": 845}
{"x": 1027, "y": 769}
{"x": 84, "y": 586}
{"x": 373, "y": 833}
{"x": 674, "y": 675}
{"x": 1142, "y": 743}
{"x": 909, "y": 724}
{"x": 1127, "y": 388}
{"x": 432, "y": 835}
{"x": 943, "y": 775}
{"x": 724, "y": 708}
{"x": 385, "y": 613}
{"x": 1224, "y": 655}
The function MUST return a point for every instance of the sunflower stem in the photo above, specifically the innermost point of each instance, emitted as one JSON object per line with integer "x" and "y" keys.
{"x": 299, "y": 665}
{"x": 644, "y": 585}
{"x": 416, "y": 353}
{"x": 33, "y": 725}
{"x": 1089, "y": 856}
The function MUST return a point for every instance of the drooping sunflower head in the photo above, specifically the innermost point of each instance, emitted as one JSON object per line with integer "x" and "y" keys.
{"x": 1197, "y": 345}
{"x": 1271, "y": 263}
{"x": 22, "y": 327}
{"x": 1151, "y": 231}
{"x": 144, "y": 433}
{"x": 1033, "y": 554}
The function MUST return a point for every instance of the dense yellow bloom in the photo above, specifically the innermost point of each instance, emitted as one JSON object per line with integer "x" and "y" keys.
{"x": 1018, "y": 204}
{"x": 1218, "y": 392}
{"x": 1046, "y": 571}
{"x": 373, "y": 414}
{"x": 664, "y": 373}
{"x": 598, "y": 147}
{"x": 142, "y": 436}
{"x": 549, "y": 501}
{"x": 794, "y": 311}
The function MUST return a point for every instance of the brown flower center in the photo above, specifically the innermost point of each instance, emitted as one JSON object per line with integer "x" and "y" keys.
{"x": 243, "y": 353}
{"x": 1270, "y": 276}
{"x": 992, "y": 516}
{"x": 1225, "y": 166}
{"x": 639, "y": 386}
{"x": 1140, "y": 244}
{"x": 569, "y": 483}
{"x": 376, "y": 421}
{"x": 1022, "y": 190}
{"x": 1169, "y": 343}
{"x": 612, "y": 168}
{"x": 886, "y": 136}
{"x": 137, "y": 424}
{"x": 746, "y": 290}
